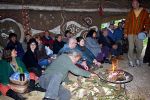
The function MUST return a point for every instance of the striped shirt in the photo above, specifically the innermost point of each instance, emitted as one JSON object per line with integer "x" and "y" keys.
{"x": 134, "y": 25}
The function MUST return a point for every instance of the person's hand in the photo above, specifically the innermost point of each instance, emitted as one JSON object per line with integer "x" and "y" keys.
{"x": 125, "y": 35}
{"x": 114, "y": 46}
{"x": 49, "y": 60}
{"x": 85, "y": 65}
{"x": 101, "y": 45}
{"x": 96, "y": 62}
{"x": 145, "y": 32}
{"x": 93, "y": 75}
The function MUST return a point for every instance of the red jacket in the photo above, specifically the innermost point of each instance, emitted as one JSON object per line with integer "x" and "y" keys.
{"x": 134, "y": 25}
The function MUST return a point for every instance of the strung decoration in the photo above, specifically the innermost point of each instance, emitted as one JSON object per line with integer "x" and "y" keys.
{"x": 101, "y": 13}
{"x": 26, "y": 20}
{"x": 100, "y": 8}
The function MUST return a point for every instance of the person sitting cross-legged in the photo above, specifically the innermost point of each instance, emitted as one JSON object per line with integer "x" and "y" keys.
{"x": 10, "y": 65}
{"x": 31, "y": 62}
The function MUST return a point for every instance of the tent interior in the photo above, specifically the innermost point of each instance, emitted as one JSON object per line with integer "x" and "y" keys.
{"x": 79, "y": 16}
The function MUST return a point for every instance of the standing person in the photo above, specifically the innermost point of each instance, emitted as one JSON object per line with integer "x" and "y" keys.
{"x": 136, "y": 22}
{"x": 57, "y": 72}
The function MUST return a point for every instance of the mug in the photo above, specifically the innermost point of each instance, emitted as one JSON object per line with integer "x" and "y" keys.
{"x": 22, "y": 77}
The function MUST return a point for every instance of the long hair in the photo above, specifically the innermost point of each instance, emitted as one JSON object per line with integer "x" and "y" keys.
{"x": 32, "y": 40}
{"x": 79, "y": 39}
{"x": 90, "y": 33}
{"x": 83, "y": 48}
{"x": 7, "y": 54}
{"x": 66, "y": 32}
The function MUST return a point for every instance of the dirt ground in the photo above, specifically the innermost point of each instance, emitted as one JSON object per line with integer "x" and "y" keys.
{"x": 138, "y": 89}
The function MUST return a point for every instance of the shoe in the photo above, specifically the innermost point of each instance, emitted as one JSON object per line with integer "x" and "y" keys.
{"x": 108, "y": 61}
{"x": 39, "y": 88}
{"x": 35, "y": 87}
{"x": 131, "y": 64}
{"x": 48, "y": 99}
{"x": 102, "y": 61}
{"x": 14, "y": 95}
{"x": 138, "y": 63}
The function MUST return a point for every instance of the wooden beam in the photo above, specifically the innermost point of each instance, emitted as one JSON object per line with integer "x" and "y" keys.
{"x": 58, "y": 8}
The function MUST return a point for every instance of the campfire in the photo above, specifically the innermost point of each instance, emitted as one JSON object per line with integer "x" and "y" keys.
{"x": 115, "y": 75}
{"x": 109, "y": 85}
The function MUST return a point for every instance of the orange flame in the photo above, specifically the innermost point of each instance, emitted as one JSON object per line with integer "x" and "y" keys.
{"x": 114, "y": 64}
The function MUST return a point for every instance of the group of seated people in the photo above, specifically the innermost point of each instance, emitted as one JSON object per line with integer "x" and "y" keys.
{"x": 34, "y": 57}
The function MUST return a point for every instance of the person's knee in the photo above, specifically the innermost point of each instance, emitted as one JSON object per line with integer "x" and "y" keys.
{"x": 131, "y": 48}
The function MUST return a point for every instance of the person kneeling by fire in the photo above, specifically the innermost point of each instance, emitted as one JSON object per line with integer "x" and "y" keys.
{"x": 14, "y": 76}
{"x": 57, "y": 72}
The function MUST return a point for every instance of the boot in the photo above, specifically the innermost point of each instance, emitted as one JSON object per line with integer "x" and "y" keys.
{"x": 14, "y": 95}
{"x": 48, "y": 99}
{"x": 35, "y": 87}
{"x": 39, "y": 88}
{"x": 31, "y": 85}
